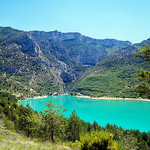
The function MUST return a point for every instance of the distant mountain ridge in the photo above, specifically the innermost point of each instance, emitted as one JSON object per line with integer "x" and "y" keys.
{"x": 59, "y": 36}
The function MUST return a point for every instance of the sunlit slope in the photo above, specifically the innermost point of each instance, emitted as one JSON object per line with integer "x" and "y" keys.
{"x": 15, "y": 141}
{"x": 115, "y": 76}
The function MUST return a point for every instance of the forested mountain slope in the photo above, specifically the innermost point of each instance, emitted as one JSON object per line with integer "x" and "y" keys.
{"x": 114, "y": 76}
{"x": 39, "y": 63}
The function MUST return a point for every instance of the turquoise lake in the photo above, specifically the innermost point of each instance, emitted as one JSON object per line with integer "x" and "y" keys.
{"x": 127, "y": 114}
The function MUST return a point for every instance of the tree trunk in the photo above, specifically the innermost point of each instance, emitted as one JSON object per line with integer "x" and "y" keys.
{"x": 52, "y": 131}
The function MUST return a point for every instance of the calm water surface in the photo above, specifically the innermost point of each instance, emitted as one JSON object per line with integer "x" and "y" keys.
{"x": 127, "y": 114}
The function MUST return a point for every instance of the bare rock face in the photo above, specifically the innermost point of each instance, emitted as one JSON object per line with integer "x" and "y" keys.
{"x": 75, "y": 36}
{"x": 28, "y": 45}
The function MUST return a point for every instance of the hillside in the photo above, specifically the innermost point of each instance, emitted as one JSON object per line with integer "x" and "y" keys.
{"x": 114, "y": 76}
{"x": 12, "y": 140}
{"x": 40, "y": 63}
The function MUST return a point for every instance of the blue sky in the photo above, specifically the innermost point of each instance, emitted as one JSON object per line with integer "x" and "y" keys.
{"x": 118, "y": 19}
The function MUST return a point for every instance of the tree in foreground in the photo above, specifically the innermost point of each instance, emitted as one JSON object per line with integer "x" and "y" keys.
{"x": 144, "y": 76}
{"x": 53, "y": 119}
{"x": 73, "y": 128}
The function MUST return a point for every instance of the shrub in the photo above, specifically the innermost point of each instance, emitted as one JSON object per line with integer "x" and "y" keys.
{"x": 98, "y": 140}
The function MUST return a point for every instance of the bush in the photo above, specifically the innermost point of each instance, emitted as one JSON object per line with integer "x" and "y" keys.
{"x": 98, "y": 140}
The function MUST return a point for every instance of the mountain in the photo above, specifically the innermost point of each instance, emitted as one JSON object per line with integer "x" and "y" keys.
{"x": 114, "y": 76}
{"x": 39, "y": 63}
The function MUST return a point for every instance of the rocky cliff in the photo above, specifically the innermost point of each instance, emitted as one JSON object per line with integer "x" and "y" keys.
{"x": 77, "y": 47}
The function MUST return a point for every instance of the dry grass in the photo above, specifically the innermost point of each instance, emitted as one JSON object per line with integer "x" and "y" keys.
{"x": 13, "y": 141}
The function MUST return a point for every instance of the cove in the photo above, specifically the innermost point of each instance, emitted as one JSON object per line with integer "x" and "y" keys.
{"x": 127, "y": 114}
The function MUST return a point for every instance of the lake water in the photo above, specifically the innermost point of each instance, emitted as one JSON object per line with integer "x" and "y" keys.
{"x": 127, "y": 114}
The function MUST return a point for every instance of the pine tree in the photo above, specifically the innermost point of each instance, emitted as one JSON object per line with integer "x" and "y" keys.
{"x": 144, "y": 76}
{"x": 73, "y": 129}
{"x": 95, "y": 126}
{"x": 53, "y": 118}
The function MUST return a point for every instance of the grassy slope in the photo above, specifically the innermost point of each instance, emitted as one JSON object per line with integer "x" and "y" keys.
{"x": 14, "y": 141}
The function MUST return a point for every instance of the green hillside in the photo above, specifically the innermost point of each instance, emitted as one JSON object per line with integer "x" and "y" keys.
{"x": 115, "y": 76}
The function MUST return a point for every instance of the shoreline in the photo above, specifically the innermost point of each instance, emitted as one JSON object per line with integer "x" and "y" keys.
{"x": 35, "y": 97}
{"x": 94, "y": 98}
{"x": 112, "y": 98}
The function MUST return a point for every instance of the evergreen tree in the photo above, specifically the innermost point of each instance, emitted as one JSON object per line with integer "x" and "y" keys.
{"x": 144, "y": 76}
{"x": 95, "y": 126}
{"x": 73, "y": 129}
{"x": 53, "y": 119}
{"x": 25, "y": 121}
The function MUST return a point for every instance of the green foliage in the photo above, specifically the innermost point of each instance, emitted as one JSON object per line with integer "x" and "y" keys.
{"x": 129, "y": 139}
{"x": 144, "y": 76}
{"x": 8, "y": 97}
{"x": 73, "y": 127}
{"x": 53, "y": 119}
{"x": 98, "y": 140}
{"x": 144, "y": 52}
{"x": 111, "y": 83}
{"x": 21, "y": 86}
